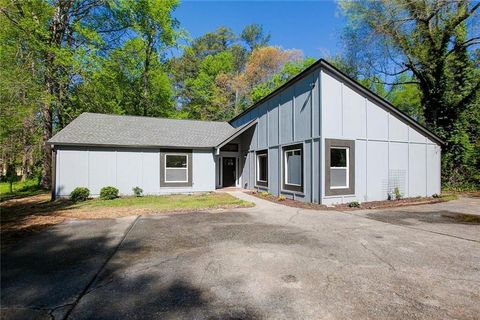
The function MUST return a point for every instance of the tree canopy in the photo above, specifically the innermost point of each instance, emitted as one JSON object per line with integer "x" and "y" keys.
{"x": 425, "y": 57}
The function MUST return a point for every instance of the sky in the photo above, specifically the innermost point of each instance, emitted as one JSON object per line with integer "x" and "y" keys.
{"x": 311, "y": 26}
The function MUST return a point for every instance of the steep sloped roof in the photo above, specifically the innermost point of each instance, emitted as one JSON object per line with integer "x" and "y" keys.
{"x": 94, "y": 129}
{"x": 324, "y": 65}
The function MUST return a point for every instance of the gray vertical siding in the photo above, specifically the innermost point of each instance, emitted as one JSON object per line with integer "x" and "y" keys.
{"x": 389, "y": 152}
{"x": 125, "y": 168}
{"x": 291, "y": 116}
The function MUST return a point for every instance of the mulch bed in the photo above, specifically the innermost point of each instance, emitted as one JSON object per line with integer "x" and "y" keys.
{"x": 345, "y": 207}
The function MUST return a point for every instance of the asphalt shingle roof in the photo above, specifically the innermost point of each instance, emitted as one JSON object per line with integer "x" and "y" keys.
{"x": 117, "y": 130}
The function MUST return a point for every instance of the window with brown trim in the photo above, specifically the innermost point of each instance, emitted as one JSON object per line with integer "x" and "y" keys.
{"x": 262, "y": 168}
{"x": 339, "y": 167}
{"x": 293, "y": 168}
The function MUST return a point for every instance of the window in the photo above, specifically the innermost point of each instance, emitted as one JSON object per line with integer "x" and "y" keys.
{"x": 262, "y": 168}
{"x": 175, "y": 168}
{"x": 339, "y": 167}
{"x": 293, "y": 168}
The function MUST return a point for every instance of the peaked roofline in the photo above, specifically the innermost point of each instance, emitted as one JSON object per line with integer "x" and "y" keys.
{"x": 239, "y": 131}
{"x": 323, "y": 64}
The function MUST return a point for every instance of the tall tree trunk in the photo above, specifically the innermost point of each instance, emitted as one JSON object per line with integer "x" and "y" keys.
{"x": 146, "y": 70}
{"x": 46, "y": 178}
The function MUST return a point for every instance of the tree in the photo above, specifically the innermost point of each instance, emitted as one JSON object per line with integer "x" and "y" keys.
{"x": 154, "y": 26}
{"x": 50, "y": 32}
{"x": 201, "y": 61}
{"x": 254, "y": 36}
{"x": 288, "y": 71}
{"x": 431, "y": 43}
{"x": 115, "y": 84}
{"x": 60, "y": 37}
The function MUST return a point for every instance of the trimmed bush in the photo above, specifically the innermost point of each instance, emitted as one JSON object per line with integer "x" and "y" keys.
{"x": 79, "y": 194}
{"x": 108, "y": 193}
{"x": 354, "y": 204}
{"x": 137, "y": 191}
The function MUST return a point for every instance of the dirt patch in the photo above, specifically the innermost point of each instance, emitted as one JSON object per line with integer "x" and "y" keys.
{"x": 345, "y": 206}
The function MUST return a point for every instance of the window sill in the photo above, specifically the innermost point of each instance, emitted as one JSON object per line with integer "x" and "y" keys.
{"x": 350, "y": 195}
{"x": 297, "y": 193}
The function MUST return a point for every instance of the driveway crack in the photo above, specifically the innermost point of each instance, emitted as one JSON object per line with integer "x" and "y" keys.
{"x": 298, "y": 211}
{"x": 102, "y": 267}
{"x": 378, "y": 257}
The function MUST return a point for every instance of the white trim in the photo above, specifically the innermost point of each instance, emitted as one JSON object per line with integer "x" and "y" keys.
{"x": 286, "y": 165}
{"x": 257, "y": 168}
{"x": 347, "y": 168}
{"x": 165, "y": 168}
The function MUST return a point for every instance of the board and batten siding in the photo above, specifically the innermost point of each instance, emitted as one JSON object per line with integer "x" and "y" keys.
{"x": 388, "y": 152}
{"x": 125, "y": 168}
{"x": 289, "y": 117}
{"x": 319, "y": 106}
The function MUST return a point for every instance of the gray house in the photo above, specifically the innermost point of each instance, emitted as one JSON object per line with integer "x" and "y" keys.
{"x": 319, "y": 138}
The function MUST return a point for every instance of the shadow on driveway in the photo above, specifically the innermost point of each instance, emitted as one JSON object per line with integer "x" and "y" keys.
{"x": 441, "y": 216}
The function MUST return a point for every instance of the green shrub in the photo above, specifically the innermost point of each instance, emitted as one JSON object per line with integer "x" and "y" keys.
{"x": 137, "y": 191}
{"x": 108, "y": 193}
{"x": 397, "y": 193}
{"x": 281, "y": 197}
{"x": 79, "y": 194}
{"x": 354, "y": 204}
{"x": 264, "y": 194}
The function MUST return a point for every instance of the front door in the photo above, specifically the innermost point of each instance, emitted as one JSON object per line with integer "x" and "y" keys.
{"x": 228, "y": 171}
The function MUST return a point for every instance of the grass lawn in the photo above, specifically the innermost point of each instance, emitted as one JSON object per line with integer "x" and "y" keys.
{"x": 19, "y": 189}
{"x": 177, "y": 202}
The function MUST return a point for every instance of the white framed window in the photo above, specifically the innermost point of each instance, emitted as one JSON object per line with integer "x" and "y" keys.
{"x": 293, "y": 167}
{"x": 262, "y": 167}
{"x": 176, "y": 167}
{"x": 339, "y": 167}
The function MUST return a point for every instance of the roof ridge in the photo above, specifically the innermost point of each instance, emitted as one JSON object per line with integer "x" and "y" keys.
{"x": 149, "y": 117}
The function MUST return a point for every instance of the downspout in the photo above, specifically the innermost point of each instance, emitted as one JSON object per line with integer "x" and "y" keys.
{"x": 54, "y": 173}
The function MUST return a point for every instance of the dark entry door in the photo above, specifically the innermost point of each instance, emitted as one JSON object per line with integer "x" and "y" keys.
{"x": 228, "y": 165}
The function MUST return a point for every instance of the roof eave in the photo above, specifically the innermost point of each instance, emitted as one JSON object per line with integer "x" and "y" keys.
{"x": 131, "y": 146}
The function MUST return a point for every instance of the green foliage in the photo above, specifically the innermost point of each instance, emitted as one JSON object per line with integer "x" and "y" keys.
{"x": 422, "y": 57}
{"x": 354, "y": 204}
{"x": 60, "y": 58}
{"x": 289, "y": 70}
{"x": 108, "y": 193}
{"x": 254, "y": 36}
{"x": 24, "y": 188}
{"x": 137, "y": 191}
{"x": 281, "y": 198}
{"x": 397, "y": 193}
{"x": 79, "y": 194}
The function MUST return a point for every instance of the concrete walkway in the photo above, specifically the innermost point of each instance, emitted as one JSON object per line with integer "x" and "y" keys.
{"x": 266, "y": 262}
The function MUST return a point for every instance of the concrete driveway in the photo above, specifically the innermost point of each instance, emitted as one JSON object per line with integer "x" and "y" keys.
{"x": 266, "y": 262}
